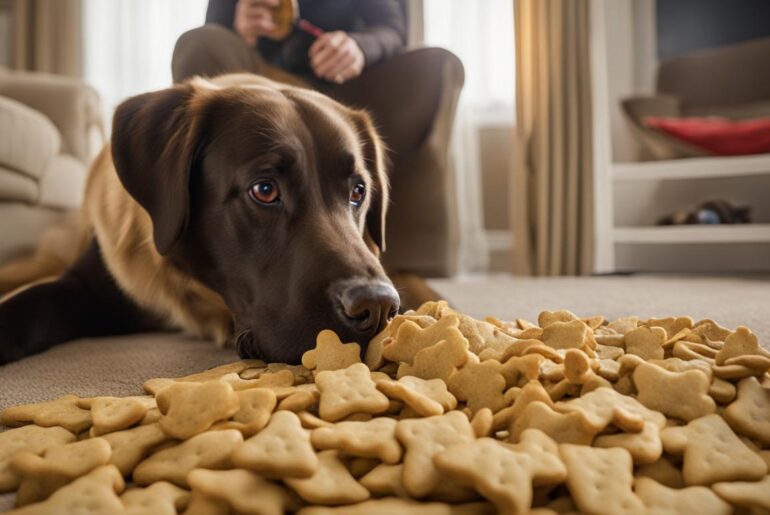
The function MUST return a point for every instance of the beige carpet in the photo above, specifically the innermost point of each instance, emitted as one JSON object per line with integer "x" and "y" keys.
{"x": 731, "y": 301}
{"x": 118, "y": 366}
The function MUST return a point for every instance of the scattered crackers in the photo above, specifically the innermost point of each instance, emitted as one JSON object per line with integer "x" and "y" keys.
{"x": 441, "y": 414}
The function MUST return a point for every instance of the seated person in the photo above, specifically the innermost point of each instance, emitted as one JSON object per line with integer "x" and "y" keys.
{"x": 342, "y": 38}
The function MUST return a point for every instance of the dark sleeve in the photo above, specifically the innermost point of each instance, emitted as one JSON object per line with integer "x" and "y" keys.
{"x": 384, "y": 32}
{"x": 221, "y": 12}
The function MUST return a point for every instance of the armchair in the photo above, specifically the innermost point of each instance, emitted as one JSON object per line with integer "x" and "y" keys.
{"x": 50, "y": 125}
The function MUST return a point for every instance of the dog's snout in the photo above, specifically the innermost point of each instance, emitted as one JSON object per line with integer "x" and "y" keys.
{"x": 368, "y": 307}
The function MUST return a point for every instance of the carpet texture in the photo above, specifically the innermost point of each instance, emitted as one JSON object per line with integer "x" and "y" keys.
{"x": 119, "y": 366}
{"x": 731, "y": 301}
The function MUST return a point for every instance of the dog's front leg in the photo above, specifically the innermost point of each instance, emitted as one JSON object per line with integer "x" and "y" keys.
{"x": 83, "y": 302}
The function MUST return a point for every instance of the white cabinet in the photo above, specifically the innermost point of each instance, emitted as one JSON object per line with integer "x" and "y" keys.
{"x": 630, "y": 196}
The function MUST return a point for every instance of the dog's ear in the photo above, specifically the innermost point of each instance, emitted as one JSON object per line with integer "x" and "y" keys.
{"x": 376, "y": 162}
{"x": 154, "y": 144}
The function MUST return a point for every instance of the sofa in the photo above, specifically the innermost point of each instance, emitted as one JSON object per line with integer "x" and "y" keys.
{"x": 51, "y": 126}
{"x": 729, "y": 81}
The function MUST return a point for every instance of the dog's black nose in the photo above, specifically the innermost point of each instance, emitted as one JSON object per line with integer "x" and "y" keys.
{"x": 368, "y": 307}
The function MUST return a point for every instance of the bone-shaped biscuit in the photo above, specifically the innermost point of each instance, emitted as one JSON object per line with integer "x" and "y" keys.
{"x": 740, "y": 343}
{"x": 426, "y": 397}
{"x": 282, "y": 449}
{"x": 160, "y": 498}
{"x": 423, "y": 439}
{"x": 604, "y": 406}
{"x": 683, "y": 395}
{"x": 43, "y": 475}
{"x": 191, "y": 408}
{"x": 63, "y": 412}
{"x": 92, "y": 494}
{"x": 750, "y": 414}
{"x": 115, "y": 413}
{"x": 331, "y": 484}
{"x": 712, "y": 452}
{"x": 480, "y": 385}
{"x": 330, "y": 353}
{"x": 504, "y": 473}
{"x": 255, "y": 407}
{"x": 440, "y": 360}
{"x": 374, "y": 438}
{"x": 646, "y": 342}
{"x": 241, "y": 490}
{"x": 131, "y": 446}
{"x": 207, "y": 450}
{"x": 31, "y": 439}
{"x": 348, "y": 391}
{"x": 411, "y": 338}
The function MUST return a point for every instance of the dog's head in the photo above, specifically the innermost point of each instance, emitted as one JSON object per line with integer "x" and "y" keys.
{"x": 272, "y": 196}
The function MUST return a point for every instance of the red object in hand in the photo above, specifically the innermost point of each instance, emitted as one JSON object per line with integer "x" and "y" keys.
{"x": 718, "y": 136}
{"x": 311, "y": 29}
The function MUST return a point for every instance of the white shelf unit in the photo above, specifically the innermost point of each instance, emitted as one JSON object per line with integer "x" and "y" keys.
{"x": 630, "y": 196}
{"x": 693, "y": 234}
{"x": 693, "y": 168}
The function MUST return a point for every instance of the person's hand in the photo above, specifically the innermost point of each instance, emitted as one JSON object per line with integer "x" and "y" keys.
{"x": 336, "y": 57}
{"x": 253, "y": 19}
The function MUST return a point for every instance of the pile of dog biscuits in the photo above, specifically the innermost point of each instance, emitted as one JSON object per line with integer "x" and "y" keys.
{"x": 446, "y": 414}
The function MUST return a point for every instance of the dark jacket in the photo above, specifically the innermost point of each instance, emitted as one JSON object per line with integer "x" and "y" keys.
{"x": 378, "y": 26}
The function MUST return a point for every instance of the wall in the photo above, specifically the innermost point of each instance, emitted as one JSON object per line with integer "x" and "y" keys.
{"x": 631, "y": 63}
{"x": 495, "y": 155}
{"x": 719, "y": 22}
{"x": 6, "y": 33}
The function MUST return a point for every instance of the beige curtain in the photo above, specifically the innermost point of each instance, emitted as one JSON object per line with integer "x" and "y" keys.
{"x": 552, "y": 186}
{"x": 47, "y": 36}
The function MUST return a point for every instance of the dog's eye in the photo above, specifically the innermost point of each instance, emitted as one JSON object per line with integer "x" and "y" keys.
{"x": 265, "y": 191}
{"x": 358, "y": 194}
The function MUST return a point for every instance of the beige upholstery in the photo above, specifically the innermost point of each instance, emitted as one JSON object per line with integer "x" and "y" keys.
{"x": 70, "y": 104}
{"x": 21, "y": 226}
{"x": 30, "y": 140}
{"x": 51, "y": 126}
{"x": 731, "y": 82}
{"x": 15, "y": 186}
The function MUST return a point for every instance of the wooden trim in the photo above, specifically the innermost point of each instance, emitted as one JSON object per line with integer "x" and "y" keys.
{"x": 604, "y": 251}
{"x": 416, "y": 22}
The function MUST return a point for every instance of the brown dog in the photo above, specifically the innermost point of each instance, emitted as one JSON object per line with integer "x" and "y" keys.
{"x": 235, "y": 209}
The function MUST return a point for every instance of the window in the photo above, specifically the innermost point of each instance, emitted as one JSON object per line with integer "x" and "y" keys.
{"x": 480, "y": 33}
{"x": 128, "y": 44}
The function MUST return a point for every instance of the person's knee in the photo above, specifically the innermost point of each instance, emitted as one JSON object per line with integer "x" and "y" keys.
{"x": 441, "y": 59}
{"x": 207, "y": 35}
{"x": 202, "y": 50}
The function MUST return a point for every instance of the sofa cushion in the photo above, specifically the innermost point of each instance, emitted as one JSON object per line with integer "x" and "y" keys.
{"x": 718, "y": 136}
{"x": 63, "y": 183}
{"x": 747, "y": 111}
{"x": 30, "y": 140}
{"x": 21, "y": 226}
{"x": 71, "y": 105}
{"x": 17, "y": 187}
{"x": 727, "y": 75}
{"x": 656, "y": 145}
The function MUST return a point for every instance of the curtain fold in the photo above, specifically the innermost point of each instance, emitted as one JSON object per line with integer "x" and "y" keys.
{"x": 552, "y": 182}
{"x": 47, "y": 36}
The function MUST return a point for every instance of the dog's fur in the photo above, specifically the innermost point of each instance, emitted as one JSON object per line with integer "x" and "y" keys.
{"x": 153, "y": 254}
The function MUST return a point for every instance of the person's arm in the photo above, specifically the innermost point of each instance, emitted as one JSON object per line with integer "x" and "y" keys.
{"x": 250, "y": 19}
{"x": 385, "y": 32}
{"x": 221, "y": 12}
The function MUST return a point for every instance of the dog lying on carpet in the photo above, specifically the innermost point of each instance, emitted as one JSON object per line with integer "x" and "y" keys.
{"x": 237, "y": 209}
